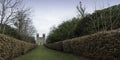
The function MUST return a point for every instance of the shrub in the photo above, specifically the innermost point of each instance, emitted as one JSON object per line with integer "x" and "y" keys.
{"x": 67, "y": 46}
{"x": 63, "y": 31}
{"x": 12, "y": 32}
{"x": 99, "y": 46}
{"x": 56, "y": 46}
{"x": 11, "y": 47}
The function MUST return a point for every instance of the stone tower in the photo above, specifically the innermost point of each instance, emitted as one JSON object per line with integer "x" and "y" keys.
{"x": 40, "y": 40}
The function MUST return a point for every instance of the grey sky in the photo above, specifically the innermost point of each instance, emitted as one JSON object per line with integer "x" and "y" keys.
{"x": 48, "y": 13}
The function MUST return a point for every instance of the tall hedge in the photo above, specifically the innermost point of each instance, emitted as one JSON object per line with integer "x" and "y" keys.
{"x": 99, "y": 46}
{"x": 11, "y": 47}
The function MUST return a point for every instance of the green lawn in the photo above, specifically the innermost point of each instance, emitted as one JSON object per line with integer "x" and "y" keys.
{"x": 43, "y": 53}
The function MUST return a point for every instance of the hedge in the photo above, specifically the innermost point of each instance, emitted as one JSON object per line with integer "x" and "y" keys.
{"x": 99, "y": 46}
{"x": 55, "y": 46}
{"x": 11, "y": 47}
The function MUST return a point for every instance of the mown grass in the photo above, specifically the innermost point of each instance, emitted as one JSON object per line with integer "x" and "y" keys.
{"x": 43, "y": 53}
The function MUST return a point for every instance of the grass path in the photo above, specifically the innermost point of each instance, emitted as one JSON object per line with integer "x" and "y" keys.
{"x": 43, "y": 53}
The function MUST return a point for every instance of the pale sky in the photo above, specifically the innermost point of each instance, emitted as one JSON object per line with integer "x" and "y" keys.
{"x": 48, "y": 13}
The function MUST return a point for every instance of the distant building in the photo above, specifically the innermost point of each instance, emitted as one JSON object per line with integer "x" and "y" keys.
{"x": 40, "y": 40}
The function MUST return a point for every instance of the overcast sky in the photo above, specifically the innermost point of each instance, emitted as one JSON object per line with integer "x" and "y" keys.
{"x": 48, "y": 13}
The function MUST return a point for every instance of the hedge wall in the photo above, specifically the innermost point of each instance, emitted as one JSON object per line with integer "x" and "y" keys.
{"x": 11, "y": 47}
{"x": 99, "y": 46}
{"x": 55, "y": 46}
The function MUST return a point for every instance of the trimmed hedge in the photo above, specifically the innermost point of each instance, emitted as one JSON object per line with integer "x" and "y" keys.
{"x": 99, "y": 46}
{"x": 55, "y": 46}
{"x": 67, "y": 46}
{"x": 11, "y": 47}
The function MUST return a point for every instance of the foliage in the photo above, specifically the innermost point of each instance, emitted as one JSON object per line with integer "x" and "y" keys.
{"x": 99, "y": 46}
{"x": 100, "y": 20}
{"x": 12, "y": 32}
{"x": 63, "y": 31}
{"x": 55, "y": 46}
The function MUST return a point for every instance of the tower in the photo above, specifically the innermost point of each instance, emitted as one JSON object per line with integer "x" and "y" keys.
{"x": 37, "y": 39}
{"x": 44, "y": 41}
{"x": 40, "y": 40}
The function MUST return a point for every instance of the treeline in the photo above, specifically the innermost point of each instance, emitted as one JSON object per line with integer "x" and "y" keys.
{"x": 63, "y": 31}
{"x": 100, "y": 20}
{"x": 15, "y": 20}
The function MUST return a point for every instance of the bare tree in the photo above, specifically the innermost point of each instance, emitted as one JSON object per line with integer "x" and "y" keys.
{"x": 28, "y": 28}
{"x": 81, "y": 10}
{"x": 31, "y": 30}
{"x": 7, "y": 11}
{"x": 20, "y": 20}
{"x": 24, "y": 23}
